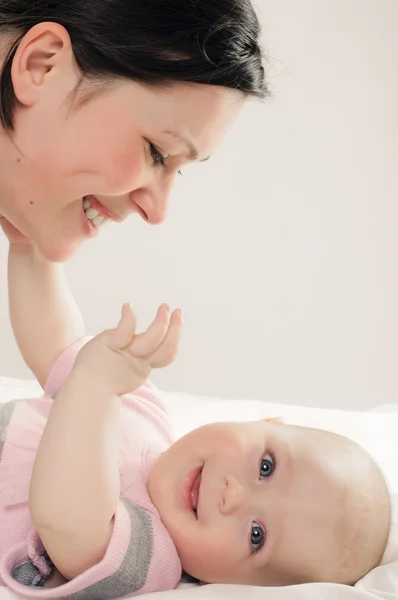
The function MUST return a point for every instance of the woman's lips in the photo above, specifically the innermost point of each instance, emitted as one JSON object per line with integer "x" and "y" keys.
{"x": 104, "y": 211}
{"x": 88, "y": 228}
{"x": 97, "y": 206}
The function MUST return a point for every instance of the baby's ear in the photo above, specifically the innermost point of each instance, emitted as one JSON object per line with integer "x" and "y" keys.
{"x": 275, "y": 420}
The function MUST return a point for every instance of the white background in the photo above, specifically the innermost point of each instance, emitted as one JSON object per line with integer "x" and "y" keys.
{"x": 283, "y": 249}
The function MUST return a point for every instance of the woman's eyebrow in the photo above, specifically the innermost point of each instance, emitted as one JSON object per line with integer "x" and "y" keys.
{"x": 193, "y": 153}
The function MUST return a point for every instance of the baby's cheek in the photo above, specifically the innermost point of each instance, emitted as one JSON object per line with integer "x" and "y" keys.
{"x": 211, "y": 556}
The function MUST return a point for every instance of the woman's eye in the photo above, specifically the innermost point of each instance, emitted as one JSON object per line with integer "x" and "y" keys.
{"x": 257, "y": 537}
{"x": 157, "y": 157}
{"x": 267, "y": 466}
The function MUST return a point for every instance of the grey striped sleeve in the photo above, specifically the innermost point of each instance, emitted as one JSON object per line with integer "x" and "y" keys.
{"x": 128, "y": 579}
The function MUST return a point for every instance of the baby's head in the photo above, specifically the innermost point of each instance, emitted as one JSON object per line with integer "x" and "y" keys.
{"x": 265, "y": 503}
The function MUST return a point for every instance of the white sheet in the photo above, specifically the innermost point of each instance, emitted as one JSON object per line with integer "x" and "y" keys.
{"x": 377, "y": 431}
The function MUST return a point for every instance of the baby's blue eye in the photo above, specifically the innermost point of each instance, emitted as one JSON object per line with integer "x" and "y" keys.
{"x": 267, "y": 466}
{"x": 257, "y": 537}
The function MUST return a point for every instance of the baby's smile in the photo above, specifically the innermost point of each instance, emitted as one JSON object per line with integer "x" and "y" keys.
{"x": 190, "y": 491}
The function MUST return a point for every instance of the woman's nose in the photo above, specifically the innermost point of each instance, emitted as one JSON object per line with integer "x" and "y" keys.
{"x": 232, "y": 495}
{"x": 153, "y": 201}
{"x": 151, "y": 210}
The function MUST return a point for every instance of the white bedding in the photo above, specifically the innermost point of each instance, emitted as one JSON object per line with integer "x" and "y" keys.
{"x": 377, "y": 431}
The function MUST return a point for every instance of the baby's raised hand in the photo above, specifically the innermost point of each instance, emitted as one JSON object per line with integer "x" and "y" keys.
{"x": 122, "y": 360}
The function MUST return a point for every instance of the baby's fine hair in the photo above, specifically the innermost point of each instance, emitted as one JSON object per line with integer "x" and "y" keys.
{"x": 362, "y": 533}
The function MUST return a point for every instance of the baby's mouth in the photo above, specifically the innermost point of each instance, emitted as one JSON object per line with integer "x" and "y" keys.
{"x": 195, "y": 492}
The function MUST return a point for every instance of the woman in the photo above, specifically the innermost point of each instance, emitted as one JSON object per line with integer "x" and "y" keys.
{"x": 102, "y": 103}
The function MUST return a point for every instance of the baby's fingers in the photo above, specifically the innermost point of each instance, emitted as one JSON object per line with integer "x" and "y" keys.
{"x": 121, "y": 336}
{"x": 147, "y": 342}
{"x": 167, "y": 350}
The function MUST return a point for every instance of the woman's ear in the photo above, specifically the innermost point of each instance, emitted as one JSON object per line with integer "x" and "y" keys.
{"x": 42, "y": 51}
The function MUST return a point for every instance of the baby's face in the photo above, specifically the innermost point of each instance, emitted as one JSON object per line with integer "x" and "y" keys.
{"x": 256, "y": 503}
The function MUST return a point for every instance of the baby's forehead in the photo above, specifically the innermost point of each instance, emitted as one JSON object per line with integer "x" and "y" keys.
{"x": 322, "y": 439}
{"x": 321, "y": 455}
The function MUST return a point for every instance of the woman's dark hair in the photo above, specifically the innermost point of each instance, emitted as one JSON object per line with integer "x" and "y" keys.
{"x": 151, "y": 41}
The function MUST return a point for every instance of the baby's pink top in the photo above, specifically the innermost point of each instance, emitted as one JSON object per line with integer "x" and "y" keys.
{"x": 141, "y": 556}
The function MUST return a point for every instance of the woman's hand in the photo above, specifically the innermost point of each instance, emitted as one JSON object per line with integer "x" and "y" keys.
{"x": 122, "y": 360}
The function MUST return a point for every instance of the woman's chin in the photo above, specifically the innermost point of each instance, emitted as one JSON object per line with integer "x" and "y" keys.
{"x": 58, "y": 251}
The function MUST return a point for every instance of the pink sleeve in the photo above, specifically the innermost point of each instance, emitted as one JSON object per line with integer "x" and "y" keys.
{"x": 147, "y": 399}
{"x": 138, "y": 560}
{"x": 62, "y": 367}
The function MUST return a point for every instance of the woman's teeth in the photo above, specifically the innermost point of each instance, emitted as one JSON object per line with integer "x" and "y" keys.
{"x": 92, "y": 214}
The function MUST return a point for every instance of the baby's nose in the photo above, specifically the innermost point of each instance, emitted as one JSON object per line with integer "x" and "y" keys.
{"x": 232, "y": 495}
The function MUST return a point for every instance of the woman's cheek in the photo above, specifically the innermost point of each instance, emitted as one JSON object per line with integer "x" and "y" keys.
{"x": 123, "y": 172}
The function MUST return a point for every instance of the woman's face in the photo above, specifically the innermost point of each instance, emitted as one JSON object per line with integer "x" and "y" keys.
{"x": 68, "y": 167}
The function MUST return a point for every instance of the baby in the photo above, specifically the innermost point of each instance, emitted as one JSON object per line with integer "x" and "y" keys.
{"x": 98, "y": 502}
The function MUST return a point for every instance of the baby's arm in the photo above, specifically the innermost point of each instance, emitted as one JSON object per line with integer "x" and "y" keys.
{"x": 44, "y": 316}
{"x": 75, "y": 484}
